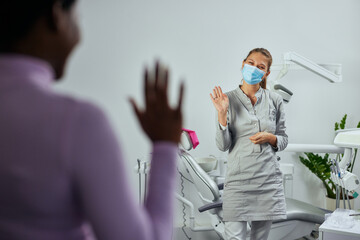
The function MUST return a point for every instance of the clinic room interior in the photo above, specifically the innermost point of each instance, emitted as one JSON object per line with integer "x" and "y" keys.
{"x": 204, "y": 43}
{"x": 315, "y": 48}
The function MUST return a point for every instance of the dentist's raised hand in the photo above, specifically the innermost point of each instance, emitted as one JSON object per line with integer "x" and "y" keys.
{"x": 221, "y": 103}
{"x": 220, "y": 100}
{"x": 159, "y": 121}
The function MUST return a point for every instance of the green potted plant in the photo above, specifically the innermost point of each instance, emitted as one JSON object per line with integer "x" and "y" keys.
{"x": 320, "y": 165}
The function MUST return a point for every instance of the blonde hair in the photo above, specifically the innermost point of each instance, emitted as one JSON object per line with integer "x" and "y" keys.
{"x": 267, "y": 54}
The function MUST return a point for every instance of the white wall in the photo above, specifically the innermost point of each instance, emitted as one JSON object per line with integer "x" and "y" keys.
{"x": 204, "y": 42}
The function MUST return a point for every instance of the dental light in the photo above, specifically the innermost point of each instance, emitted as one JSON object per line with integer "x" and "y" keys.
{"x": 291, "y": 58}
{"x": 313, "y": 67}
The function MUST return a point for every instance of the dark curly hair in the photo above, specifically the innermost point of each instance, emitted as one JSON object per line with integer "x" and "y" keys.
{"x": 18, "y": 16}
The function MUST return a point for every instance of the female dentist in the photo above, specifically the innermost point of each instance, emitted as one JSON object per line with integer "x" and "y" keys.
{"x": 251, "y": 125}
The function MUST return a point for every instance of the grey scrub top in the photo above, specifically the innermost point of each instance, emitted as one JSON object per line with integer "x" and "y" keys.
{"x": 253, "y": 187}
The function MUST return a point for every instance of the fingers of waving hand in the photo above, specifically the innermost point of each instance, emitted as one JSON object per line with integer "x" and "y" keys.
{"x": 218, "y": 92}
{"x": 161, "y": 82}
{"x": 180, "y": 100}
{"x": 218, "y": 95}
{"x": 223, "y": 101}
{"x": 159, "y": 121}
{"x": 219, "y": 99}
{"x": 155, "y": 85}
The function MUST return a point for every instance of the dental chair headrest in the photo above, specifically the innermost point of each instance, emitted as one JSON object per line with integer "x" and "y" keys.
{"x": 189, "y": 139}
{"x": 185, "y": 141}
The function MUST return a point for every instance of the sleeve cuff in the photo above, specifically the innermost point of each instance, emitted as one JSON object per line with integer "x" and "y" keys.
{"x": 222, "y": 127}
{"x": 276, "y": 148}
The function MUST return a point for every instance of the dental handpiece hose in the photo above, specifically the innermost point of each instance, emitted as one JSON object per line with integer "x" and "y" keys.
{"x": 343, "y": 195}
{"x": 338, "y": 169}
{"x": 348, "y": 199}
{"x": 341, "y": 183}
{"x": 338, "y": 182}
{"x": 333, "y": 169}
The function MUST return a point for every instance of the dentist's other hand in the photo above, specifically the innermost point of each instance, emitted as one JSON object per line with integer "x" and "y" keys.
{"x": 159, "y": 121}
{"x": 264, "y": 137}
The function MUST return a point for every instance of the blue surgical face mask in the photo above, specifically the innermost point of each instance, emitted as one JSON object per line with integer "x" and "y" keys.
{"x": 251, "y": 74}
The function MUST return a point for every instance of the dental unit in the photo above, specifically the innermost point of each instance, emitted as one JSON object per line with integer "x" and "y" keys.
{"x": 345, "y": 181}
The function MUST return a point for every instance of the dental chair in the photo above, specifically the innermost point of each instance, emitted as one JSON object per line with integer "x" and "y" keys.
{"x": 301, "y": 217}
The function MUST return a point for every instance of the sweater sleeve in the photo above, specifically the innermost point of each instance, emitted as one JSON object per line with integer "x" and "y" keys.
{"x": 102, "y": 189}
{"x": 282, "y": 137}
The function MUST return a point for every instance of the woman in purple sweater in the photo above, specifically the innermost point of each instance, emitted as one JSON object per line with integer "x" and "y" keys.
{"x": 60, "y": 163}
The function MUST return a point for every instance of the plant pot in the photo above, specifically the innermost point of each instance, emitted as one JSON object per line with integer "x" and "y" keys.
{"x": 330, "y": 203}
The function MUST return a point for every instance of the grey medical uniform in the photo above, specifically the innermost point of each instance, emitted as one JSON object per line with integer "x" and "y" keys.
{"x": 253, "y": 188}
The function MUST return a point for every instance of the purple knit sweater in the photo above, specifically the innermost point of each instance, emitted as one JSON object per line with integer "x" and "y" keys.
{"x": 61, "y": 166}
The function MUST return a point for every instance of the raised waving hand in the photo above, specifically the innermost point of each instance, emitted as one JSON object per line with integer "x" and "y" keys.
{"x": 221, "y": 103}
{"x": 220, "y": 100}
{"x": 158, "y": 120}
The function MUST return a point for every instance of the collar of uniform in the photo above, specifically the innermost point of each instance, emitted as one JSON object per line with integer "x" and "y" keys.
{"x": 258, "y": 94}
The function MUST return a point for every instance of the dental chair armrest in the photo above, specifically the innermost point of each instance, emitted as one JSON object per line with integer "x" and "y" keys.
{"x": 221, "y": 186}
{"x": 211, "y": 206}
